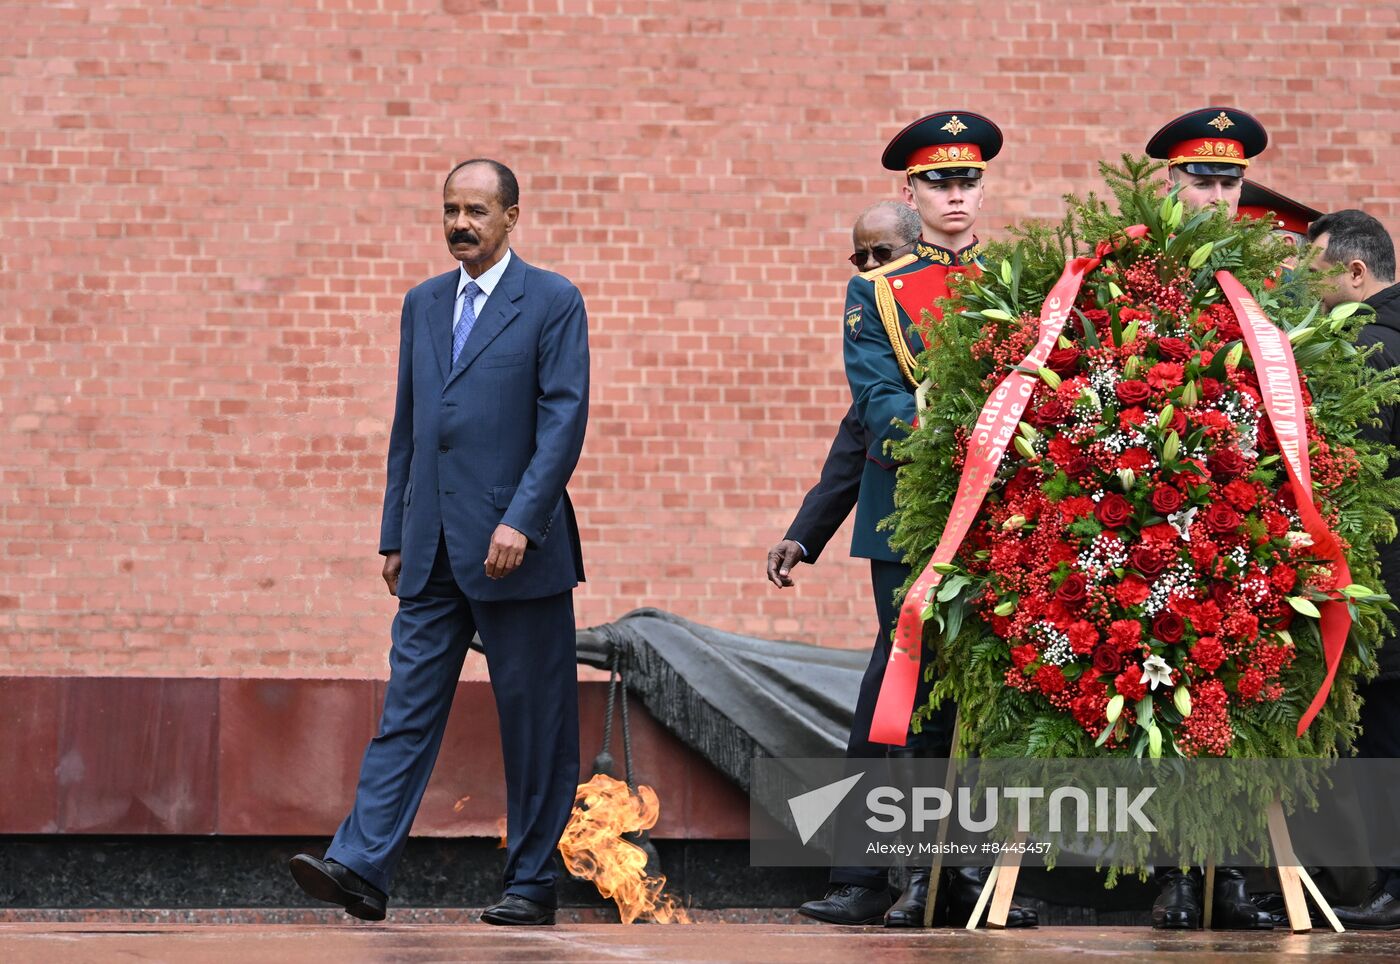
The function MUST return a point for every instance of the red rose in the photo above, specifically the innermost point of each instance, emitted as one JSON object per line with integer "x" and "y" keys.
{"x": 1107, "y": 659}
{"x": 1063, "y": 361}
{"x": 1132, "y": 591}
{"x": 1167, "y": 500}
{"x": 1049, "y": 679}
{"x": 1148, "y": 559}
{"x": 1221, "y": 519}
{"x": 1023, "y": 656}
{"x": 1226, "y": 464}
{"x": 1074, "y": 590}
{"x": 1174, "y": 348}
{"x": 1220, "y": 593}
{"x": 1129, "y": 683}
{"x": 1165, "y": 375}
{"x": 1268, "y": 441}
{"x": 1178, "y": 423}
{"x": 1052, "y": 412}
{"x": 1076, "y": 466}
{"x": 1240, "y": 494}
{"x": 1211, "y": 389}
{"x": 1168, "y": 627}
{"x": 1125, "y": 634}
{"x": 1133, "y": 393}
{"x": 1113, "y": 511}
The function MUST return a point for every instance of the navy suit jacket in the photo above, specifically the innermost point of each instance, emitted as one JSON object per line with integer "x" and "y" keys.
{"x": 827, "y": 503}
{"x": 492, "y": 439}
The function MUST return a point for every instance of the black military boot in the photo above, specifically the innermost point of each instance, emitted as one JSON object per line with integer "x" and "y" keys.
{"x": 965, "y": 886}
{"x": 1178, "y": 906}
{"x": 908, "y": 911}
{"x": 1234, "y": 911}
{"x": 849, "y": 904}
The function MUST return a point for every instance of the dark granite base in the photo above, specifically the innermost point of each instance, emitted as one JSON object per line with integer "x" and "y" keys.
{"x": 180, "y": 872}
{"x": 75, "y": 873}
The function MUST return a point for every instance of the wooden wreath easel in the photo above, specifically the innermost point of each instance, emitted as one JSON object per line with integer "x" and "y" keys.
{"x": 1294, "y": 882}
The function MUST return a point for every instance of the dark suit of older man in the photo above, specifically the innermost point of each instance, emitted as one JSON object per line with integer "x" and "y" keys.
{"x": 479, "y": 538}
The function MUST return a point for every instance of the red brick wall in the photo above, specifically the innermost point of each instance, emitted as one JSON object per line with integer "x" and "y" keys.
{"x": 211, "y": 212}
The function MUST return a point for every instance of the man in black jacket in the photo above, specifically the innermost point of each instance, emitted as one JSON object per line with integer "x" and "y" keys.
{"x": 883, "y": 232}
{"x": 1362, "y": 247}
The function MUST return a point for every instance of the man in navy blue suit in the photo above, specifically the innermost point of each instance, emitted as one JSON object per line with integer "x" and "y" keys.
{"x": 478, "y": 537}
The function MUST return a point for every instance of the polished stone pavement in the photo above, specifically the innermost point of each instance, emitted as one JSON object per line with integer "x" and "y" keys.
{"x": 60, "y": 943}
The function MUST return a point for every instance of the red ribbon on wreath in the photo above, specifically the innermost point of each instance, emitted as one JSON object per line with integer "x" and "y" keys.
{"x": 1283, "y": 401}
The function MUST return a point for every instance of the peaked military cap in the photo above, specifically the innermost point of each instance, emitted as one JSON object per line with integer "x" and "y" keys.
{"x": 944, "y": 145}
{"x": 1257, "y": 201}
{"x": 1212, "y": 140}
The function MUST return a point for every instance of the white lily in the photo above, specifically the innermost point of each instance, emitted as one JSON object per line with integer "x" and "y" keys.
{"x": 1297, "y": 539}
{"x": 1156, "y": 671}
{"x": 1181, "y": 522}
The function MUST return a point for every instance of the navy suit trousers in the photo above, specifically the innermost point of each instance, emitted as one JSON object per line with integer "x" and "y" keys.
{"x": 936, "y": 738}
{"x": 530, "y": 655}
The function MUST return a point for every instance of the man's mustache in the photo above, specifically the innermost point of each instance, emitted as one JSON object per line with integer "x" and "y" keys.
{"x": 464, "y": 237}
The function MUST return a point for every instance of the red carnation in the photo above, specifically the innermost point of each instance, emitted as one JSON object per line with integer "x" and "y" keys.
{"x": 1060, "y": 450}
{"x": 1131, "y": 418}
{"x": 1163, "y": 532}
{"x": 1167, "y": 499}
{"x": 1208, "y": 654}
{"x": 1073, "y": 591}
{"x": 1226, "y": 464}
{"x": 1083, "y": 637}
{"x": 1049, "y": 679}
{"x": 1176, "y": 349}
{"x": 1125, "y": 634}
{"x": 1203, "y": 552}
{"x": 1023, "y": 656}
{"x": 1240, "y": 494}
{"x": 1129, "y": 683}
{"x": 1283, "y": 577}
{"x": 1132, "y": 591}
{"x": 1168, "y": 627}
{"x": 1138, "y": 459}
{"x": 1107, "y": 659}
{"x": 1133, "y": 392}
{"x": 1165, "y": 375}
{"x": 1221, "y": 519}
{"x": 1113, "y": 511}
{"x": 1250, "y": 683}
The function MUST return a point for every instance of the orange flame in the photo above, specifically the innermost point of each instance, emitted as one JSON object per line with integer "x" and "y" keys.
{"x": 593, "y": 849}
{"x": 501, "y": 832}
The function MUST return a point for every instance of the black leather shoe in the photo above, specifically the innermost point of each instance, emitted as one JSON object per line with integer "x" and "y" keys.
{"x": 337, "y": 884}
{"x": 850, "y": 904}
{"x": 966, "y": 886}
{"x": 1379, "y": 912}
{"x": 1178, "y": 906}
{"x": 1234, "y": 911}
{"x": 514, "y": 910}
{"x": 1273, "y": 905}
{"x": 908, "y": 911}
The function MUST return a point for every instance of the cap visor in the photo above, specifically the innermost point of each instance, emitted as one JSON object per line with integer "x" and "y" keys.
{"x": 1218, "y": 170}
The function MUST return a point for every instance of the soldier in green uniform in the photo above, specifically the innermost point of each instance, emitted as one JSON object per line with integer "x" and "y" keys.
{"x": 943, "y": 157}
{"x": 1207, "y": 152}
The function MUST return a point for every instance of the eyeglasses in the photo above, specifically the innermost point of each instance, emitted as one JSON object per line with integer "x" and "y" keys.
{"x": 882, "y": 253}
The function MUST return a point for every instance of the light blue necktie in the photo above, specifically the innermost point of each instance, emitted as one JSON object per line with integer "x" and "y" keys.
{"x": 466, "y": 320}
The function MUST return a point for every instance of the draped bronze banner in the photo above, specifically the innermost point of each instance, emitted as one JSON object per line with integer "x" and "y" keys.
{"x": 1283, "y": 401}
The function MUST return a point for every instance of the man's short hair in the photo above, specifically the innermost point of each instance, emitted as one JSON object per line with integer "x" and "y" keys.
{"x": 508, "y": 192}
{"x": 906, "y": 219}
{"x": 1354, "y": 235}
